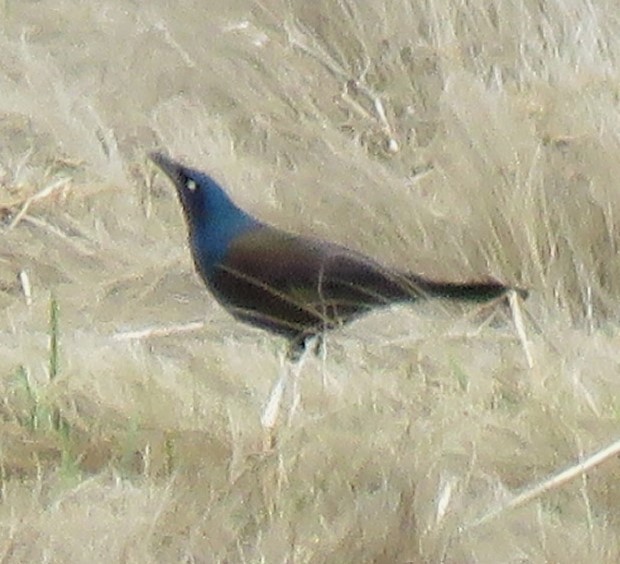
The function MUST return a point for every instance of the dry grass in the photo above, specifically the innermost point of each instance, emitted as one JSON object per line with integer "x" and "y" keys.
{"x": 456, "y": 139}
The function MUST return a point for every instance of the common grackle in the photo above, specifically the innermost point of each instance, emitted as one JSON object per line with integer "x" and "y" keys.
{"x": 291, "y": 285}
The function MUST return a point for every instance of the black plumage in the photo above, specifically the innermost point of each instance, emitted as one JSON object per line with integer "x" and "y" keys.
{"x": 291, "y": 285}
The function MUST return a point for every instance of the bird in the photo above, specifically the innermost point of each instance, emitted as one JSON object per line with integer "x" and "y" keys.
{"x": 291, "y": 285}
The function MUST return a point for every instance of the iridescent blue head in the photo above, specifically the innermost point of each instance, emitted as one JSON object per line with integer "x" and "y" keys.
{"x": 213, "y": 219}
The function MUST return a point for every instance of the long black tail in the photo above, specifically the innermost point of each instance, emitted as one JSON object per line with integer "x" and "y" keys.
{"x": 469, "y": 291}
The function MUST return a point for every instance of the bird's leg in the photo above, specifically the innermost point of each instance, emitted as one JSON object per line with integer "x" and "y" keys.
{"x": 296, "y": 348}
{"x": 324, "y": 375}
{"x": 269, "y": 417}
{"x": 318, "y": 343}
{"x": 311, "y": 345}
{"x": 320, "y": 350}
{"x": 271, "y": 411}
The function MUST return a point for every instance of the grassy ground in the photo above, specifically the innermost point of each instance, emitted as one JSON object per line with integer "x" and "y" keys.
{"x": 454, "y": 140}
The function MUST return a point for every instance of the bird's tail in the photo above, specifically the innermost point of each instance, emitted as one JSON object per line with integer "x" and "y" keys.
{"x": 468, "y": 291}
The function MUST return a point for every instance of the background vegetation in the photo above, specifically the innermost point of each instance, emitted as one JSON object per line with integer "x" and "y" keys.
{"x": 457, "y": 139}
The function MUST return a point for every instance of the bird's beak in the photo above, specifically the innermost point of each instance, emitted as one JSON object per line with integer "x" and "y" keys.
{"x": 171, "y": 168}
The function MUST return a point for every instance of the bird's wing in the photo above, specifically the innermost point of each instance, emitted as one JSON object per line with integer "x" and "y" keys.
{"x": 310, "y": 269}
{"x": 279, "y": 258}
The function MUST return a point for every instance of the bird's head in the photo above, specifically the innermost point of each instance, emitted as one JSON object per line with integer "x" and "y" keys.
{"x": 205, "y": 203}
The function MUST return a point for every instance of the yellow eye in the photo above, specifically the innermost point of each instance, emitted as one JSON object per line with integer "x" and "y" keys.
{"x": 191, "y": 185}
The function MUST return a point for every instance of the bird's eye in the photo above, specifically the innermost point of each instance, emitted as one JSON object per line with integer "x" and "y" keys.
{"x": 191, "y": 185}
